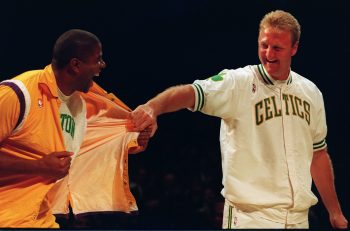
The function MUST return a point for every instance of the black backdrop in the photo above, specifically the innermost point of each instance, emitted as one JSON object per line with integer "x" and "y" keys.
{"x": 151, "y": 45}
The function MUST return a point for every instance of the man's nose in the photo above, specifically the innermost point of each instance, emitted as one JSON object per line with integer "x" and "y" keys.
{"x": 270, "y": 53}
{"x": 102, "y": 64}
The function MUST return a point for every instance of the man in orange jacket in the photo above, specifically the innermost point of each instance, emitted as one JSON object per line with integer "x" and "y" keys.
{"x": 42, "y": 125}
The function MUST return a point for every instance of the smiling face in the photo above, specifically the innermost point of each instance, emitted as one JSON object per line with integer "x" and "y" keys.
{"x": 276, "y": 51}
{"x": 76, "y": 59}
{"x": 87, "y": 69}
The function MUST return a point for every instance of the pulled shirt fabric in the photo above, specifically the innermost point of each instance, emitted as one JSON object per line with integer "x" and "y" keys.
{"x": 98, "y": 178}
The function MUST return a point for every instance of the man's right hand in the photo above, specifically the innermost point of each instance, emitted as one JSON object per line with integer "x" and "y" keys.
{"x": 55, "y": 164}
{"x": 143, "y": 117}
{"x": 170, "y": 100}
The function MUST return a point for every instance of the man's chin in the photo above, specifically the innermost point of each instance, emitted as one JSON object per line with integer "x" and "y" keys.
{"x": 271, "y": 70}
{"x": 88, "y": 88}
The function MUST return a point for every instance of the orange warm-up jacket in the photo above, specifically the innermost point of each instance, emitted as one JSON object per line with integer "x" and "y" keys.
{"x": 23, "y": 200}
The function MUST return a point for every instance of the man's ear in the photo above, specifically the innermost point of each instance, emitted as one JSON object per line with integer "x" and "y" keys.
{"x": 295, "y": 48}
{"x": 74, "y": 65}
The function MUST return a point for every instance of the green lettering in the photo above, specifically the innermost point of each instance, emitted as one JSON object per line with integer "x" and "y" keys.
{"x": 277, "y": 112}
{"x": 285, "y": 98}
{"x": 307, "y": 111}
{"x": 68, "y": 124}
{"x": 297, "y": 103}
{"x": 267, "y": 109}
{"x": 292, "y": 102}
{"x": 258, "y": 116}
{"x": 63, "y": 118}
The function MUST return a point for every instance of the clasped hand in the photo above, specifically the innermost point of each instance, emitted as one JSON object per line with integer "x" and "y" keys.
{"x": 143, "y": 117}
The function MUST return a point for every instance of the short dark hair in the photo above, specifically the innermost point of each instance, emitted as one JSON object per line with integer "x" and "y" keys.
{"x": 74, "y": 43}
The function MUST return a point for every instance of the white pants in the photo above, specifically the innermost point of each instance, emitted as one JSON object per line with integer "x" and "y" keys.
{"x": 234, "y": 218}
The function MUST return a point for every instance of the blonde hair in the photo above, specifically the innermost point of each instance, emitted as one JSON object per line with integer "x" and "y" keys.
{"x": 284, "y": 21}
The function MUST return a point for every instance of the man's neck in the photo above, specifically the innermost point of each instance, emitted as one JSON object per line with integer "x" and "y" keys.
{"x": 62, "y": 82}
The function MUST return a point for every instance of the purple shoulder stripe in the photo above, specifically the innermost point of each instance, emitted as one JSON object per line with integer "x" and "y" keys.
{"x": 21, "y": 99}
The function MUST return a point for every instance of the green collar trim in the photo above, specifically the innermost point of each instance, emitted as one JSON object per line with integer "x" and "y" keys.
{"x": 267, "y": 79}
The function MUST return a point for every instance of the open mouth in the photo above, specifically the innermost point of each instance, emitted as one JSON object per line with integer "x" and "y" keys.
{"x": 271, "y": 61}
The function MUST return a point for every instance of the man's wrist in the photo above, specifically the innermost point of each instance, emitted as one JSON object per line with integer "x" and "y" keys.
{"x": 150, "y": 110}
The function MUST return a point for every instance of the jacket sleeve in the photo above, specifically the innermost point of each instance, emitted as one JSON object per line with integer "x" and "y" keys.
{"x": 10, "y": 110}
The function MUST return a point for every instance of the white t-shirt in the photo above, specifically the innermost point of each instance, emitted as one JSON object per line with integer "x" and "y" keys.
{"x": 73, "y": 120}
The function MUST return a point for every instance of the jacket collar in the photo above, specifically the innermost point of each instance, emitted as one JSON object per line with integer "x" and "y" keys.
{"x": 47, "y": 81}
{"x": 268, "y": 79}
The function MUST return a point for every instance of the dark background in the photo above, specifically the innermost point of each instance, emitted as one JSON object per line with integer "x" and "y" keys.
{"x": 151, "y": 45}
